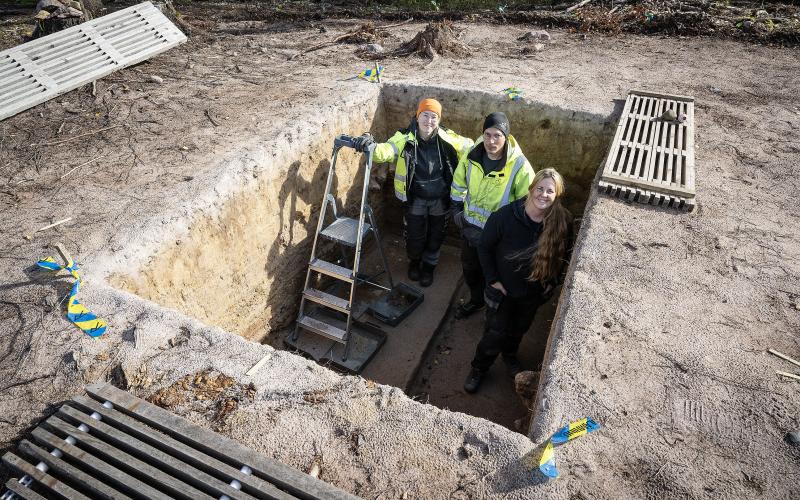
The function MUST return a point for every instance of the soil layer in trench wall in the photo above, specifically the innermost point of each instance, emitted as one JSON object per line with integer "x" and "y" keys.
{"x": 242, "y": 268}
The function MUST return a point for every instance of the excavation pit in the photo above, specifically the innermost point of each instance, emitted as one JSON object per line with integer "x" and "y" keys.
{"x": 240, "y": 265}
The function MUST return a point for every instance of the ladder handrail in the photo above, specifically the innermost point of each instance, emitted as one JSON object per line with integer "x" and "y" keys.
{"x": 364, "y": 212}
{"x": 359, "y": 237}
{"x": 324, "y": 205}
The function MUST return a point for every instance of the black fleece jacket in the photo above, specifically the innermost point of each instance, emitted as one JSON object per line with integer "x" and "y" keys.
{"x": 508, "y": 242}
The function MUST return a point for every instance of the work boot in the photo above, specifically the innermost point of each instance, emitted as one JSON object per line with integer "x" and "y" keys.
{"x": 473, "y": 381}
{"x": 513, "y": 365}
{"x": 413, "y": 270}
{"x": 426, "y": 274}
{"x": 466, "y": 309}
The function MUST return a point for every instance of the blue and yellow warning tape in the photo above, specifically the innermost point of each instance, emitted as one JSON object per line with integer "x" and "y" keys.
{"x": 513, "y": 93}
{"x": 574, "y": 430}
{"x": 76, "y": 312}
{"x": 371, "y": 74}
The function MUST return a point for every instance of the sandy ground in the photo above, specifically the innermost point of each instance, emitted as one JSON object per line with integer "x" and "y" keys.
{"x": 442, "y": 374}
{"x": 664, "y": 319}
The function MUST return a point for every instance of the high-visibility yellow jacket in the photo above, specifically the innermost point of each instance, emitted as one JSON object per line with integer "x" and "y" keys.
{"x": 400, "y": 148}
{"x": 483, "y": 193}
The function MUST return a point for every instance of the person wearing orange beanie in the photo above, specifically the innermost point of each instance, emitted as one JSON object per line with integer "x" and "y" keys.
{"x": 425, "y": 156}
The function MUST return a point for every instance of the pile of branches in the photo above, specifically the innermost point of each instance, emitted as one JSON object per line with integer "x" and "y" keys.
{"x": 692, "y": 17}
{"x": 766, "y": 22}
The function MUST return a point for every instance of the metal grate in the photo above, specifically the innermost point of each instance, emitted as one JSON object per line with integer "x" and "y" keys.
{"x": 114, "y": 445}
{"x": 36, "y": 71}
{"x": 652, "y": 160}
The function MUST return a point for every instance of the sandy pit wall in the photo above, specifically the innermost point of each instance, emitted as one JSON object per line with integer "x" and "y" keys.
{"x": 240, "y": 265}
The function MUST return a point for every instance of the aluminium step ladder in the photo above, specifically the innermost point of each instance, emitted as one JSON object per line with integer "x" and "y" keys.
{"x": 346, "y": 232}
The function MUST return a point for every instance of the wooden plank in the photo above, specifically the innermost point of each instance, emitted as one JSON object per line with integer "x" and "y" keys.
{"x": 144, "y": 45}
{"x": 108, "y": 473}
{"x": 23, "y": 93}
{"x": 13, "y": 77}
{"x": 609, "y": 167}
{"x": 165, "y": 462}
{"x": 127, "y": 462}
{"x": 655, "y": 186}
{"x": 646, "y": 93}
{"x": 21, "y": 491}
{"x": 109, "y": 49}
{"x": 142, "y": 32}
{"x": 61, "y": 468}
{"x": 253, "y": 485}
{"x": 51, "y": 42}
{"x": 77, "y": 53}
{"x": 46, "y": 481}
{"x": 281, "y": 475}
{"x": 690, "y": 147}
{"x": 33, "y": 69}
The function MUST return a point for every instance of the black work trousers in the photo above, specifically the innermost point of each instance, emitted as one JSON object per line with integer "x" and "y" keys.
{"x": 473, "y": 273}
{"x": 504, "y": 329}
{"x": 425, "y": 227}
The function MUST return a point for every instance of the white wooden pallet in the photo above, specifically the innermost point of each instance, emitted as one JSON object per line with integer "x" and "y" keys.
{"x": 652, "y": 161}
{"x": 37, "y": 71}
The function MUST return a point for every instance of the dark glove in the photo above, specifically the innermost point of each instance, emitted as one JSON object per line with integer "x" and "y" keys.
{"x": 493, "y": 297}
{"x": 549, "y": 290}
{"x": 363, "y": 142}
{"x": 457, "y": 214}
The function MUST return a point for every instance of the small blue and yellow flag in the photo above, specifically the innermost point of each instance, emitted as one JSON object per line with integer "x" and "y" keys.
{"x": 547, "y": 464}
{"x": 513, "y": 93}
{"x": 76, "y": 312}
{"x": 371, "y": 74}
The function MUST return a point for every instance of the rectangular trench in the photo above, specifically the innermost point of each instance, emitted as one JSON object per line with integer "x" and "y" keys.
{"x": 242, "y": 267}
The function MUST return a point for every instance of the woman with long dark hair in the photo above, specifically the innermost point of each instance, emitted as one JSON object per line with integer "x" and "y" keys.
{"x": 523, "y": 249}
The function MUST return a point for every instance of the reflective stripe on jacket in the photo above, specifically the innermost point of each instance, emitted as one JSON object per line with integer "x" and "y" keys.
{"x": 482, "y": 193}
{"x": 397, "y": 150}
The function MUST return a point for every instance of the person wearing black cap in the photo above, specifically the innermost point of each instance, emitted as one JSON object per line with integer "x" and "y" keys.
{"x": 494, "y": 173}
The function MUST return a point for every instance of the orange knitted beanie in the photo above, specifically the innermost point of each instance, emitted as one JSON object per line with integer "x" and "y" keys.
{"x": 430, "y": 105}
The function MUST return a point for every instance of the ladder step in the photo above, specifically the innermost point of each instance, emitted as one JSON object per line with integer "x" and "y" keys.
{"x": 324, "y": 329}
{"x": 327, "y": 300}
{"x": 332, "y": 269}
{"x": 344, "y": 230}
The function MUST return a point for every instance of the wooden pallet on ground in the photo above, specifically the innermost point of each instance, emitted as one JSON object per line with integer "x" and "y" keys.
{"x": 114, "y": 445}
{"x": 39, "y": 70}
{"x": 651, "y": 160}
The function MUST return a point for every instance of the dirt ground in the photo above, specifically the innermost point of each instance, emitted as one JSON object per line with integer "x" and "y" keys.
{"x": 442, "y": 374}
{"x": 663, "y": 325}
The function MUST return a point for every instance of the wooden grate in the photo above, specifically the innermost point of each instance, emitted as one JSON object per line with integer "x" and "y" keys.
{"x": 652, "y": 160}
{"x": 37, "y": 71}
{"x": 114, "y": 445}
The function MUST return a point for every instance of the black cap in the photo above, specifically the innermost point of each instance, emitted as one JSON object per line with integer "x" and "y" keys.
{"x": 499, "y": 121}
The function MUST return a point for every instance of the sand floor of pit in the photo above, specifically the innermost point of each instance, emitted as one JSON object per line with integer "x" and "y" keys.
{"x": 663, "y": 324}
